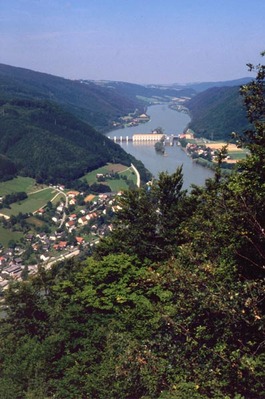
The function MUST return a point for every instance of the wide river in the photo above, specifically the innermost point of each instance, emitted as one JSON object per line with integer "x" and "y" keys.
{"x": 172, "y": 122}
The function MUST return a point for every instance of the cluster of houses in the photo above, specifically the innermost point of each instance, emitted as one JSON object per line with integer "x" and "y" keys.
{"x": 66, "y": 238}
{"x": 201, "y": 151}
{"x": 12, "y": 267}
{"x": 130, "y": 120}
{"x": 197, "y": 149}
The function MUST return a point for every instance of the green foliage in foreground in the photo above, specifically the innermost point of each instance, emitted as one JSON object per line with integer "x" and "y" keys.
{"x": 171, "y": 305}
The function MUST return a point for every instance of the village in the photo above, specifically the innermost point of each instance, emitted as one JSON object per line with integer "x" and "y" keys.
{"x": 130, "y": 120}
{"x": 76, "y": 226}
{"x": 204, "y": 149}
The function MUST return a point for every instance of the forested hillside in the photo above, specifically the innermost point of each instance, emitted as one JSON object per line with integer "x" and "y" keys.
{"x": 171, "y": 304}
{"x": 7, "y": 168}
{"x": 45, "y": 142}
{"x": 217, "y": 112}
{"x": 94, "y": 104}
{"x": 97, "y": 103}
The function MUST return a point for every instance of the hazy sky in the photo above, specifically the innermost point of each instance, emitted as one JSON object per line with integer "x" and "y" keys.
{"x": 141, "y": 41}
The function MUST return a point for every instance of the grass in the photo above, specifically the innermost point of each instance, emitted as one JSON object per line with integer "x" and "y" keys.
{"x": 37, "y": 199}
{"x": 238, "y": 154}
{"x": 31, "y": 204}
{"x": 17, "y": 184}
{"x": 91, "y": 177}
{"x": 7, "y": 235}
{"x": 147, "y": 99}
{"x": 57, "y": 198}
{"x": 35, "y": 222}
{"x": 117, "y": 184}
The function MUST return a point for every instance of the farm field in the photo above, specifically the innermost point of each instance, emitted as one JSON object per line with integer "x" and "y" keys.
{"x": 117, "y": 185}
{"x": 237, "y": 155}
{"x": 234, "y": 152}
{"x": 114, "y": 184}
{"x": 8, "y": 235}
{"x": 17, "y": 184}
{"x": 31, "y": 204}
{"x": 39, "y": 195}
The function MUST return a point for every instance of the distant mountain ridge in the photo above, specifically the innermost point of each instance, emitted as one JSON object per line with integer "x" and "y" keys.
{"x": 202, "y": 86}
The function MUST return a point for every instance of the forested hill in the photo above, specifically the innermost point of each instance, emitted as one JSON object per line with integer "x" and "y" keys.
{"x": 94, "y": 104}
{"x": 97, "y": 103}
{"x": 217, "y": 112}
{"x": 47, "y": 143}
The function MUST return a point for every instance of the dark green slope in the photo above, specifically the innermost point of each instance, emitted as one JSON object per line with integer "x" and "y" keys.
{"x": 217, "y": 112}
{"x": 46, "y": 142}
{"x": 92, "y": 103}
{"x": 7, "y": 168}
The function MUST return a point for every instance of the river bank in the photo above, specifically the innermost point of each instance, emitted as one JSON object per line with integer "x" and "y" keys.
{"x": 174, "y": 123}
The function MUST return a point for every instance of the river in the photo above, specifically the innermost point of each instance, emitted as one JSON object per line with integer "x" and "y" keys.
{"x": 172, "y": 122}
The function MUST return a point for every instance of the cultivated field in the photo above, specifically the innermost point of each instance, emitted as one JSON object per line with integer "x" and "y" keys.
{"x": 17, "y": 184}
{"x": 114, "y": 184}
{"x": 7, "y": 235}
{"x": 234, "y": 152}
{"x": 39, "y": 195}
{"x": 31, "y": 204}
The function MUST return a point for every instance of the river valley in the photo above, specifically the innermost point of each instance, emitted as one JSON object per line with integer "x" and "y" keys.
{"x": 172, "y": 122}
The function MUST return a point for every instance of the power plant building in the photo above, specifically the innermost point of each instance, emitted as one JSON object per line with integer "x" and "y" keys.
{"x": 147, "y": 137}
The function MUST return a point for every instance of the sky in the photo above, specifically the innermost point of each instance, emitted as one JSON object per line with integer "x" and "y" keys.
{"x": 138, "y": 41}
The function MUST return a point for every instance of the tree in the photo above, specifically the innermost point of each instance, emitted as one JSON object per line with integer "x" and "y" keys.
{"x": 148, "y": 222}
{"x": 248, "y": 186}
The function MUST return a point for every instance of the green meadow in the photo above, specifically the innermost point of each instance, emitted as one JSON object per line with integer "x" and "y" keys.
{"x": 7, "y": 235}
{"x": 31, "y": 204}
{"x": 18, "y": 184}
{"x": 114, "y": 184}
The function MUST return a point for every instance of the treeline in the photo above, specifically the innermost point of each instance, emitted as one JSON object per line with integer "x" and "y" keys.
{"x": 170, "y": 305}
{"x": 11, "y": 198}
{"x": 8, "y": 169}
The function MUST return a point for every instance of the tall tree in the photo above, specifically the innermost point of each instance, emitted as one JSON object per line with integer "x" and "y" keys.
{"x": 248, "y": 185}
{"x": 148, "y": 222}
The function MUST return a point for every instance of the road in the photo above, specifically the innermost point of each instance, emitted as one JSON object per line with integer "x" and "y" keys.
{"x": 61, "y": 258}
{"x": 138, "y": 179}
